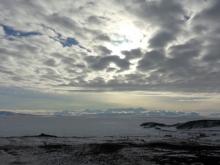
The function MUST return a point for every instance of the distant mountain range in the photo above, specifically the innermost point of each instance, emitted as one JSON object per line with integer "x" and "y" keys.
{"x": 107, "y": 112}
{"x": 6, "y": 113}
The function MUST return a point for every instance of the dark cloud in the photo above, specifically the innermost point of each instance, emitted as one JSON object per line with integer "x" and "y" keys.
{"x": 161, "y": 39}
{"x": 132, "y": 54}
{"x": 212, "y": 51}
{"x": 151, "y": 60}
{"x": 63, "y": 21}
{"x": 103, "y": 37}
{"x": 6, "y": 71}
{"x": 189, "y": 49}
{"x": 101, "y": 63}
{"x": 96, "y": 20}
{"x": 102, "y": 50}
{"x": 50, "y": 62}
{"x": 206, "y": 23}
{"x": 211, "y": 13}
{"x": 165, "y": 14}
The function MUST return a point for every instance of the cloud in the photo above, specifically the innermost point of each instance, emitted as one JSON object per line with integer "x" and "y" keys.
{"x": 165, "y": 15}
{"x": 132, "y": 54}
{"x": 161, "y": 39}
{"x": 140, "y": 45}
{"x": 96, "y": 20}
{"x": 102, "y": 50}
{"x": 211, "y": 13}
{"x": 50, "y": 62}
{"x": 103, "y": 37}
{"x": 151, "y": 60}
{"x": 101, "y": 63}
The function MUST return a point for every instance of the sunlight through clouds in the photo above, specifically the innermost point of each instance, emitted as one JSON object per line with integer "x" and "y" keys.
{"x": 133, "y": 45}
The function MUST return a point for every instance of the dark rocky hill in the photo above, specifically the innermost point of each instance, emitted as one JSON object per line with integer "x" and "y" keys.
{"x": 187, "y": 125}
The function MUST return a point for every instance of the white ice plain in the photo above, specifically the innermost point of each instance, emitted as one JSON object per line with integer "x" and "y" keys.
{"x": 104, "y": 140}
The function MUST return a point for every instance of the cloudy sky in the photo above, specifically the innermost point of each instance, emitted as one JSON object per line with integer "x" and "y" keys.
{"x": 79, "y": 50}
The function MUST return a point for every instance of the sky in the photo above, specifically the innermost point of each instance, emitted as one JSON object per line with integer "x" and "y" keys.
{"x": 156, "y": 54}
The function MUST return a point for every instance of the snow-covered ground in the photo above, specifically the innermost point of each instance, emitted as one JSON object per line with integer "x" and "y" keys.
{"x": 104, "y": 139}
{"x": 164, "y": 148}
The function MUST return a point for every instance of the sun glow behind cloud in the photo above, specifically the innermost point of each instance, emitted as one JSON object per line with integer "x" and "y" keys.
{"x": 126, "y": 36}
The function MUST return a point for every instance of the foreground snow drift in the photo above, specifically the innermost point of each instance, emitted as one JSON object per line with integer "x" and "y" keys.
{"x": 112, "y": 140}
{"x": 38, "y": 150}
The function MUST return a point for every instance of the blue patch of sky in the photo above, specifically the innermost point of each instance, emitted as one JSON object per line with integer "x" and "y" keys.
{"x": 69, "y": 42}
{"x": 64, "y": 41}
{"x": 11, "y": 32}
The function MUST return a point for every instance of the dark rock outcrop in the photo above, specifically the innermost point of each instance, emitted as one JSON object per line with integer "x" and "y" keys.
{"x": 45, "y": 135}
{"x": 152, "y": 125}
{"x": 187, "y": 125}
{"x": 199, "y": 124}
